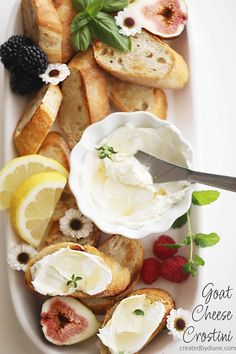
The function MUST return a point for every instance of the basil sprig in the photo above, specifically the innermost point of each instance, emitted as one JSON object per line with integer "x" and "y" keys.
{"x": 198, "y": 240}
{"x": 92, "y": 21}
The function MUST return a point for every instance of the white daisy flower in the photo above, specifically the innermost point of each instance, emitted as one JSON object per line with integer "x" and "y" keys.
{"x": 55, "y": 73}
{"x": 128, "y": 23}
{"x": 177, "y": 322}
{"x": 74, "y": 224}
{"x": 20, "y": 255}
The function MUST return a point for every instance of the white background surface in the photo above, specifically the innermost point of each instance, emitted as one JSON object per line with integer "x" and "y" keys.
{"x": 212, "y": 29}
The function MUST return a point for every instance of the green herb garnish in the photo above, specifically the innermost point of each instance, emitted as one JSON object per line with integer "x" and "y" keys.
{"x": 199, "y": 198}
{"x": 106, "y": 151}
{"x": 138, "y": 312}
{"x": 73, "y": 281}
{"x": 204, "y": 197}
{"x": 94, "y": 22}
{"x": 198, "y": 240}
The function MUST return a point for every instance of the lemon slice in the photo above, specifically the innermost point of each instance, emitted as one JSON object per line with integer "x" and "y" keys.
{"x": 17, "y": 170}
{"x": 33, "y": 204}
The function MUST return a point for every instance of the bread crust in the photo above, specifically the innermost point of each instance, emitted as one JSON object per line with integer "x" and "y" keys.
{"x": 176, "y": 77}
{"x": 29, "y": 136}
{"x": 41, "y": 22}
{"x": 120, "y": 275}
{"x": 154, "y": 295}
{"x": 66, "y": 14}
{"x": 129, "y": 253}
{"x": 56, "y": 236}
{"x": 129, "y": 97}
{"x": 55, "y": 147}
{"x": 89, "y": 103}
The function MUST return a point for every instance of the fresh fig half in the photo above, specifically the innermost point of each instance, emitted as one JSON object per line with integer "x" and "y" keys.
{"x": 164, "y": 18}
{"x": 66, "y": 321}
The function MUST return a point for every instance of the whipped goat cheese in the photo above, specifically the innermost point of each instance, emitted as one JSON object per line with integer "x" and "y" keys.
{"x": 131, "y": 325}
{"x": 51, "y": 274}
{"x": 121, "y": 189}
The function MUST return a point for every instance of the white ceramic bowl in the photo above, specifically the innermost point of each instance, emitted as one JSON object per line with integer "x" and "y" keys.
{"x": 91, "y": 138}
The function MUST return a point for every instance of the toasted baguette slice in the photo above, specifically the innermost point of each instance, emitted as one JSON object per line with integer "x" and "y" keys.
{"x": 131, "y": 97}
{"x": 66, "y": 202}
{"x": 37, "y": 119}
{"x": 154, "y": 295}
{"x": 129, "y": 253}
{"x": 120, "y": 275}
{"x": 56, "y": 236}
{"x": 85, "y": 97}
{"x": 41, "y": 22}
{"x": 55, "y": 147}
{"x": 66, "y": 13}
{"x": 151, "y": 62}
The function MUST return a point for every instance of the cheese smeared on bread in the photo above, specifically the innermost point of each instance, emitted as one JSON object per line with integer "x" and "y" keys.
{"x": 120, "y": 275}
{"x": 137, "y": 325}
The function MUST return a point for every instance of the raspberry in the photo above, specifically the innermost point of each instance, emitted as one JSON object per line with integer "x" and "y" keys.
{"x": 162, "y": 251}
{"x": 172, "y": 269}
{"x": 150, "y": 270}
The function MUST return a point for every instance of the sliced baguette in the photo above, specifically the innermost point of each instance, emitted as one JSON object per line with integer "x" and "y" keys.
{"x": 151, "y": 62}
{"x": 129, "y": 97}
{"x": 66, "y": 13}
{"x": 129, "y": 253}
{"x": 37, "y": 119}
{"x": 120, "y": 275}
{"x": 41, "y": 22}
{"x": 56, "y": 236}
{"x": 66, "y": 202}
{"x": 55, "y": 147}
{"x": 154, "y": 295}
{"x": 85, "y": 98}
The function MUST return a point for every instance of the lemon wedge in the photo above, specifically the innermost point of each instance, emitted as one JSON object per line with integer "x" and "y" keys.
{"x": 17, "y": 170}
{"x": 33, "y": 204}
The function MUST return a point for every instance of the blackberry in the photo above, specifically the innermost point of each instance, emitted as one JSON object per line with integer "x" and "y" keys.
{"x": 23, "y": 84}
{"x": 32, "y": 60}
{"x": 9, "y": 50}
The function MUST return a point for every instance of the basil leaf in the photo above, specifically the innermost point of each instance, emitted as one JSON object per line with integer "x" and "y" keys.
{"x": 107, "y": 32}
{"x": 114, "y": 5}
{"x": 80, "y": 5}
{"x": 79, "y": 21}
{"x": 199, "y": 261}
{"x": 94, "y": 7}
{"x": 82, "y": 39}
{"x": 204, "y": 240}
{"x": 204, "y": 197}
{"x": 181, "y": 221}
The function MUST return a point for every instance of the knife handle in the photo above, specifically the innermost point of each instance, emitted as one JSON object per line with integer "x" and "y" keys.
{"x": 223, "y": 182}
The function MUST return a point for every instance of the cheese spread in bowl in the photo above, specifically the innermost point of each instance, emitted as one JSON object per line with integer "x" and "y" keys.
{"x": 118, "y": 193}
